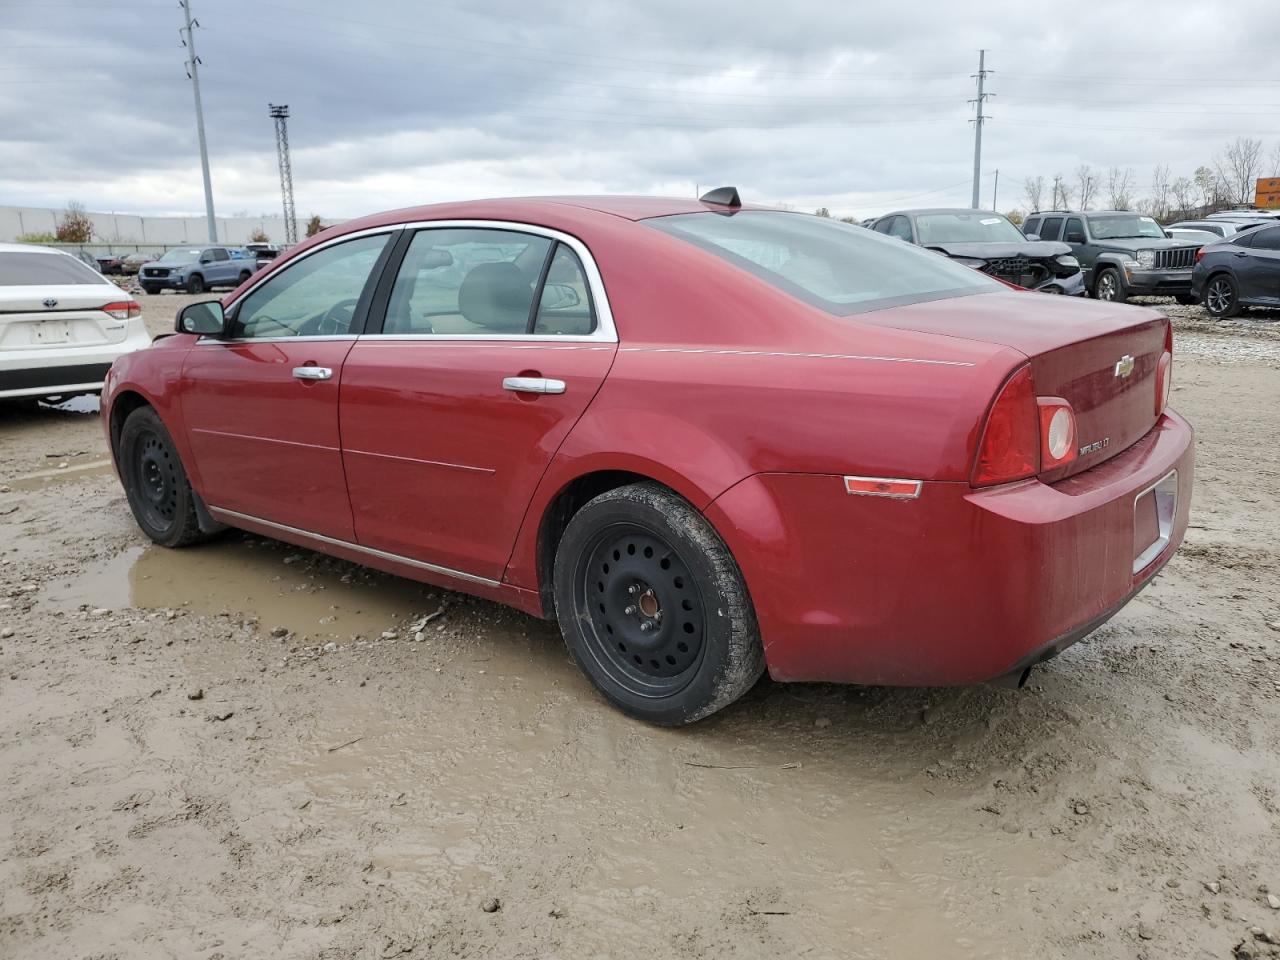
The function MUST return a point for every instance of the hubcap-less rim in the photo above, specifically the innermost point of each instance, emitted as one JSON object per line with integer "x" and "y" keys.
{"x": 642, "y": 613}
{"x": 1219, "y": 296}
{"x": 156, "y": 481}
{"x": 1107, "y": 287}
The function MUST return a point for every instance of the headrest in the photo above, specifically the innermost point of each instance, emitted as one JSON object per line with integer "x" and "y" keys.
{"x": 496, "y": 296}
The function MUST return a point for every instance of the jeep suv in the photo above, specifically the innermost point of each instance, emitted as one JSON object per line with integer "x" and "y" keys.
{"x": 1122, "y": 254}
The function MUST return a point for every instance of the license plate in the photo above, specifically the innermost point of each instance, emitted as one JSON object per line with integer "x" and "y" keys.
{"x": 51, "y": 331}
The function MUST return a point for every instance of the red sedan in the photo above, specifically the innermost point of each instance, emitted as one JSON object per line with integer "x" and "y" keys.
{"x": 709, "y": 439}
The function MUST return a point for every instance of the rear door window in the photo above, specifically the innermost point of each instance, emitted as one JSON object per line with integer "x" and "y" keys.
{"x": 1268, "y": 239}
{"x": 220, "y": 254}
{"x": 43, "y": 269}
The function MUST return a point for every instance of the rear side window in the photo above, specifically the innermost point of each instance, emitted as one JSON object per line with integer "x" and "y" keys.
{"x": 565, "y": 305}
{"x": 1051, "y": 229}
{"x": 1268, "y": 239}
{"x": 43, "y": 269}
{"x": 831, "y": 265}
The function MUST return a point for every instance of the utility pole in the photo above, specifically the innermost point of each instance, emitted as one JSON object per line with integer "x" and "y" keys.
{"x": 280, "y": 113}
{"x": 977, "y": 121}
{"x": 193, "y": 72}
{"x": 995, "y": 191}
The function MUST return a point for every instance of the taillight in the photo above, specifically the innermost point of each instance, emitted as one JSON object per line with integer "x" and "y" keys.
{"x": 1164, "y": 372}
{"x": 1199, "y": 254}
{"x": 123, "y": 309}
{"x": 1010, "y": 447}
{"x": 1057, "y": 432}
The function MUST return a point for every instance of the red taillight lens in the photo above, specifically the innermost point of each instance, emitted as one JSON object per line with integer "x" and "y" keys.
{"x": 123, "y": 309}
{"x": 1057, "y": 432}
{"x": 1199, "y": 254}
{"x": 1010, "y": 447}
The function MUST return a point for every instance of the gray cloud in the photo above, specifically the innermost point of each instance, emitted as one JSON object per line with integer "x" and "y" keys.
{"x": 835, "y": 104}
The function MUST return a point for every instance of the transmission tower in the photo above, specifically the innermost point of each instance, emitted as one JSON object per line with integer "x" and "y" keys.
{"x": 280, "y": 113}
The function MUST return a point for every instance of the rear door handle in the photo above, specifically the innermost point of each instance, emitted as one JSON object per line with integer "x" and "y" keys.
{"x": 312, "y": 373}
{"x": 532, "y": 385}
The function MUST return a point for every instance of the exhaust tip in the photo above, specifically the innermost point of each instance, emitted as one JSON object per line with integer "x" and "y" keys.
{"x": 1015, "y": 680}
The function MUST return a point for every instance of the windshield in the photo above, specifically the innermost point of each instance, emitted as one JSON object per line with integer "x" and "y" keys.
{"x": 1116, "y": 228}
{"x": 976, "y": 227}
{"x": 183, "y": 255}
{"x": 835, "y": 266}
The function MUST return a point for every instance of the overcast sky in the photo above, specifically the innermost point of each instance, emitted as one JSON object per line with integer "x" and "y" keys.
{"x": 856, "y": 106}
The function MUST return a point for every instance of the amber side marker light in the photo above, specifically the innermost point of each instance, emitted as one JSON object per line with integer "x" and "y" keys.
{"x": 880, "y": 487}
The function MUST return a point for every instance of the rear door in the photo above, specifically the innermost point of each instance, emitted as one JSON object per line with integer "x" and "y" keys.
{"x": 495, "y": 340}
{"x": 261, "y": 407}
{"x": 1259, "y": 271}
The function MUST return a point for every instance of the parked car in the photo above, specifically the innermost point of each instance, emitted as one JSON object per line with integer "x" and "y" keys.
{"x": 62, "y": 324}
{"x": 1241, "y": 271}
{"x": 264, "y": 253}
{"x": 89, "y": 260}
{"x": 1219, "y": 228}
{"x": 1122, "y": 254}
{"x": 709, "y": 439}
{"x": 195, "y": 270}
{"x": 1192, "y": 235}
{"x": 131, "y": 263}
{"x": 1248, "y": 213}
{"x": 989, "y": 242}
{"x": 110, "y": 264}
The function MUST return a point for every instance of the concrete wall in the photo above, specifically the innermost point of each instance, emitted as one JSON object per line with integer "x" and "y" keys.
{"x": 122, "y": 232}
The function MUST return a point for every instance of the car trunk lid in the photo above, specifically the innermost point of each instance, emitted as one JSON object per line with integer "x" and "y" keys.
{"x": 75, "y": 319}
{"x": 1100, "y": 358}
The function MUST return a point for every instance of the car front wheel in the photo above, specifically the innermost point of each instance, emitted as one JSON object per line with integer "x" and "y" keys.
{"x": 155, "y": 482}
{"x": 151, "y": 288}
{"x": 1109, "y": 286}
{"x": 195, "y": 283}
{"x": 1222, "y": 297}
{"x": 653, "y": 606}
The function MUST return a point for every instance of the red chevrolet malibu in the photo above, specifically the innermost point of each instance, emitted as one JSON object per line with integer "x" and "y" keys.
{"x": 709, "y": 439}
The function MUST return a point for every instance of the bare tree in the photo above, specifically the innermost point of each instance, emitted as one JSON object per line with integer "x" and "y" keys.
{"x": 1062, "y": 193}
{"x": 1160, "y": 191}
{"x": 1207, "y": 185}
{"x": 1120, "y": 188}
{"x": 1238, "y": 167}
{"x": 1033, "y": 191}
{"x": 822, "y": 212}
{"x": 1274, "y": 163}
{"x": 1087, "y": 183}
{"x": 1184, "y": 195}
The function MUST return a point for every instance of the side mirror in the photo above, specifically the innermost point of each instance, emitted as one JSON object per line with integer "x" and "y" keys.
{"x": 1075, "y": 237}
{"x": 204, "y": 319}
{"x": 206, "y": 259}
{"x": 559, "y": 296}
{"x": 1032, "y": 236}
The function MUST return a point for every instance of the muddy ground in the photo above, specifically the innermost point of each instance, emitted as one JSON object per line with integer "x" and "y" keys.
{"x": 242, "y": 750}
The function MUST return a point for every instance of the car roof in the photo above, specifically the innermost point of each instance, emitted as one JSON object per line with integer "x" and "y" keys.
{"x": 933, "y": 211}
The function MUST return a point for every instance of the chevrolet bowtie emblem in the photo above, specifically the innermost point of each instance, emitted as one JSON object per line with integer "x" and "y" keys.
{"x": 1124, "y": 366}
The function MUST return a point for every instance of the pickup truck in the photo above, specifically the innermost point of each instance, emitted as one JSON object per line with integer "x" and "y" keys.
{"x": 195, "y": 270}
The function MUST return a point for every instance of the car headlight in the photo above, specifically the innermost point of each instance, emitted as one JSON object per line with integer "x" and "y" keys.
{"x": 1067, "y": 260}
{"x": 1146, "y": 259}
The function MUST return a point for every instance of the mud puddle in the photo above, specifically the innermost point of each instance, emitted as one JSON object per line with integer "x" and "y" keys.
{"x": 63, "y": 473}
{"x": 309, "y": 594}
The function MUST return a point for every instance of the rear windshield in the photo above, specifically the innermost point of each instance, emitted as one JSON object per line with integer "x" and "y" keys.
{"x": 835, "y": 266}
{"x": 976, "y": 227}
{"x": 43, "y": 269}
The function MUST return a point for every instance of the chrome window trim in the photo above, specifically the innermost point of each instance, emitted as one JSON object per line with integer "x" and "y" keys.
{"x": 232, "y": 516}
{"x": 605, "y": 331}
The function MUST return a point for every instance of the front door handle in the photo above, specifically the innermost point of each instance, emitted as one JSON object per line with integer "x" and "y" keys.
{"x": 532, "y": 385}
{"x": 312, "y": 373}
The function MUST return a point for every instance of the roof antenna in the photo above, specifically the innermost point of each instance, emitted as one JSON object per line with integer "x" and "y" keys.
{"x": 722, "y": 196}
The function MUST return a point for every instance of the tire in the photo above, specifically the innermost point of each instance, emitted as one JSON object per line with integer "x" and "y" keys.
{"x": 155, "y": 482}
{"x": 1109, "y": 286}
{"x": 244, "y": 275}
{"x": 152, "y": 289}
{"x": 640, "y": 555}
{"x": 195, "y": 283}
{"x": 1186, "y": 299}
{"x": 1222, "y": 296}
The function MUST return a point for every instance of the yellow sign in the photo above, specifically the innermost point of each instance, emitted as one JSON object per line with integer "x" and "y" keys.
{"x": 1268, "y": 196}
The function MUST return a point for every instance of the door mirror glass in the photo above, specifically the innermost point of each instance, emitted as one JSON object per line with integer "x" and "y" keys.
{"x": 559, "y": 296}
{"x": 205, "y": 319}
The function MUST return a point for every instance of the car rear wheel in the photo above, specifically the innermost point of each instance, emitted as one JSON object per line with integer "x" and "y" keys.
{"x": 653, "y": 606}
{"x": 1109, "y": 286}
{"x": 195, "y": 283}
{"x": 155, "y": 482}
{"x": 1221, "y": 296}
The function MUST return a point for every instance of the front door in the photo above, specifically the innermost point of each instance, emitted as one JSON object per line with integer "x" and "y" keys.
{"x": 494, "y": 343}
{"x": 261, "y": 406}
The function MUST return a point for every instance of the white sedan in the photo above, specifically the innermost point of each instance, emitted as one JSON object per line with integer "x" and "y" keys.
{"x": 61, "y": 324}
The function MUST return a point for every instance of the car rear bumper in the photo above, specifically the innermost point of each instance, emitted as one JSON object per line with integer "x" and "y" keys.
{"x": 51, "y": 371}
{"x": 956, "y": 586}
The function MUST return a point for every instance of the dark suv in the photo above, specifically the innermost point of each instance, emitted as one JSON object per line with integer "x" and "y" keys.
{"x": 1122, "y": 254}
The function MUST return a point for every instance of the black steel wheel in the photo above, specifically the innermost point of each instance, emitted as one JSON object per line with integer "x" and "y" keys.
{"x": 1110, "y": 287}
{"x": 155, "y": 482}
{"x": 654, "y": 608}
{"x": 1221, "y": 296}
